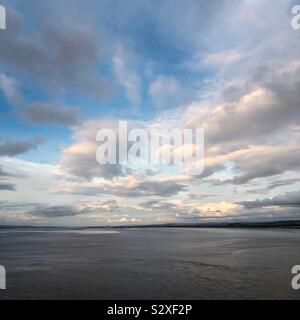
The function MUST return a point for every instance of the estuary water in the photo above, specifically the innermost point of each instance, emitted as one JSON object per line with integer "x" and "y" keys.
{"x": 149, "y": 264}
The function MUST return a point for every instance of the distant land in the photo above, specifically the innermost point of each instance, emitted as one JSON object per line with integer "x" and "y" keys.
{"x": 288, "y": 224}
{"x": 270, "y": 224}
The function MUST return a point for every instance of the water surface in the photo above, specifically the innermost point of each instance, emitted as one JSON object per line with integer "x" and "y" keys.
{"x": 150, "y": 264}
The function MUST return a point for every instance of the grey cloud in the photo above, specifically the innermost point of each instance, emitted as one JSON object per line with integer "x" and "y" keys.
{"x": 6, "y": 186}
{"x": 159, "y": 204}
{"x": 4, "y": 174}
{"x": 180, "y": 210}
{"x": 16, "y": 206}
{"x": 282, "y": 183}
{"x": 254, "y": 174}
{"x": 156, "y": 188}
{"x": 291, "y": 199}
{"x": 48, "y": 211}
{"x": 273, "y": 185}
{"x": 194, "y": 196}
{"x": 43, "y": 113}
{"x": 264, "y": 165}
{"x": 54, "y": 211}
{"x": 11, "y": 148}
{"x": 62, "y": 55}
{"x": 209, "y": 170}
{"x": 148, "y": 188}
{"x": 85, "y": 166}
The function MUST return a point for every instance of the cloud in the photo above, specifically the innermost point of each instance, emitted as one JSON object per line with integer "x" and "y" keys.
{"x": 149, "y": 188}
{"x": 43, "y": 113}
{"x": 38, "y": 112}
{"x": 48, "y": 211}
{"x": 3, "y": 173}
{"x": 80, "y": 158}
{"x": 291, "y": 199}
{"x": 156, "y": 188}
{"x": 10, "y": 87}
{"x": 127, "y": 77}
{"x": 201, "y": 197}
{"x": 126, "y": 187}
{"x": 244, "y": 165}
{"x": 169, "y": 92}
{"x": 256, "y": 133}
{"x": 231, "y": 131}
{"x": 15, "y": 206}
{"x": 260, "y": 113}
{"x": 223, "y": 58}
{"x": 7, "y": 186}
{"x": 282, "y": 183}
{"x": 266, "y": 162}
{"x": 250, "y": 106}
{"x": 56, "y": 211}
{"x": 62, "y": 55}
{"x": 12, "y": 148}
{"x": 248, "y": 103}
{"x": 185, "y": 26}
{"x": 194, "y": 210}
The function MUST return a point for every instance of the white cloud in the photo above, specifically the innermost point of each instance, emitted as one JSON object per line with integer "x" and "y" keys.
{"x": 10, "y": 87}
{"x": 168, "y": 92}
{"x": 224, "y": 58}
{"x": 127, "y": 77}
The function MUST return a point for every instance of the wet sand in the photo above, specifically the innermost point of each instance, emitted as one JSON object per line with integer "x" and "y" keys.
{"x": 150, "y": 264}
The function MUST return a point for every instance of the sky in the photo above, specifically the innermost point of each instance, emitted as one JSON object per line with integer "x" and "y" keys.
{"x": 71, "y": 67}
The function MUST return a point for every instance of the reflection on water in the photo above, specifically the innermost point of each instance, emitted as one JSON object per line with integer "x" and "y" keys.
{"x": 75, "y": 231}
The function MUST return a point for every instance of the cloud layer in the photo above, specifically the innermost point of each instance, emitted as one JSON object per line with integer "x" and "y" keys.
{"x": 230, "y": 68}
{"x": 11, "y": 148}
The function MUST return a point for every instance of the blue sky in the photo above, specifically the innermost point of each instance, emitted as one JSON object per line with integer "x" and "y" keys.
{"x": 69, "y": 68}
